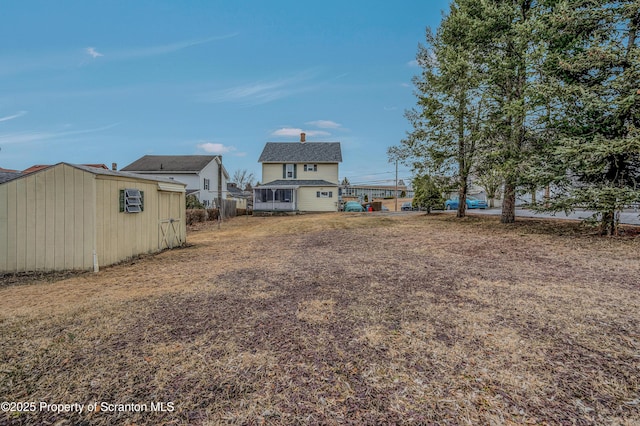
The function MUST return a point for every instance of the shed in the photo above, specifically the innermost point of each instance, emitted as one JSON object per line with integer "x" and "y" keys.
{"x": 72, "y": 217}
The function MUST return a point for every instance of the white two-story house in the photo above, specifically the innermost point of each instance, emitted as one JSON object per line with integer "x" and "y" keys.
{"x": 204, "y": 175}
{"x": 299, "y": 176}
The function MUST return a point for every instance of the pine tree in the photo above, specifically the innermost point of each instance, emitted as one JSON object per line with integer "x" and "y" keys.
{"x": 447, "y": 120}
{"x": 427, "y": 193}
{"x": 593, "y": 70}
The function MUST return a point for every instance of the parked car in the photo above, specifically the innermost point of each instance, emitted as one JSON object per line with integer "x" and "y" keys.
{"x": 353, "y": 206}
{"x": 472, "y": 203}
{"x": 406, "y": 206}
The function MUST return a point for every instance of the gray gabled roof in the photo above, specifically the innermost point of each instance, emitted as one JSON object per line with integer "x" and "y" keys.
{"x": 7, "y": 176}
{"x": 298, "y": 152}
{"x": 107, "y": 172}
{"x": 298, "y": 182}
{"x": 170, "y": 163}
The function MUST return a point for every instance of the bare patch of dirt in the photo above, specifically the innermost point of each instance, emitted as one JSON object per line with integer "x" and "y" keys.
{"x": 337, "y": 318}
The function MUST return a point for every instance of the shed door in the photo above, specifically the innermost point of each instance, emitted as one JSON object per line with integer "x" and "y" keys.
{"x": 169, "y": 223}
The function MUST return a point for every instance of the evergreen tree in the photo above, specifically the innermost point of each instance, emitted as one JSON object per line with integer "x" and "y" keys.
{"x": 593, "y": 79}
{"x": 447, "y": 120}
{"x": 427, "y": 193}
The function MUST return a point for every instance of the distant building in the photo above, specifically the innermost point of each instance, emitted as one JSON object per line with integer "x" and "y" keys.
{"x": 204, "y": 175}
{"x": 299, "y": 176}
{"x": 376, "y": 191}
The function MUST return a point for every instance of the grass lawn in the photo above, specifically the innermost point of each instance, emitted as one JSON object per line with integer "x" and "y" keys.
{"x": 337, "y": 318}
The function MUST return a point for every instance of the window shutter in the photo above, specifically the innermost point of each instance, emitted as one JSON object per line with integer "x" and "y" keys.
{"x": 141, "y": 201}
{"x": 330, "y": 194}
{"x": 318, "y": 194}
{"x": 121, "y": 200}
{"x": 295, "y": 168}
{"x": 284, "y": 171}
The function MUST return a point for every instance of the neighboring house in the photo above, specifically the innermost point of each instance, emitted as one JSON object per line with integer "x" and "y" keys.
{"x": 239, "y": 196}
{"x": 204, "y": 175}
{"x": 73, "y": 217}
{"x": 7, "y": 174}
{"x": 298, "y": 176}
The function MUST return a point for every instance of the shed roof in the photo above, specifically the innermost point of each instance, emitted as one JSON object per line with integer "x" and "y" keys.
{"x": 97, "y": 171}
{"x": 170, "y": 163}
{"x": 301, "y": 152}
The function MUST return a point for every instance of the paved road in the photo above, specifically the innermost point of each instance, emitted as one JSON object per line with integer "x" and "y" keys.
{"x": 628, "y": 217}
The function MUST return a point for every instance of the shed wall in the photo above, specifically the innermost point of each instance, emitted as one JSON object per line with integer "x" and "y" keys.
{"x": 47, "y": 221}
{"x": 123, "y": 235}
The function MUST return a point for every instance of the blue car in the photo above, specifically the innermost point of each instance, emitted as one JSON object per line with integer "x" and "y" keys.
{"x": 472, "y": 203}
{"x": 353, "y": 206}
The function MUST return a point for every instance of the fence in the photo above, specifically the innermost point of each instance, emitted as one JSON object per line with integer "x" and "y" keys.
{"x": 201, "y": 215}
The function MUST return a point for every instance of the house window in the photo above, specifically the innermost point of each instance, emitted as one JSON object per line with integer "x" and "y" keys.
{"x": 131, "y": 201}
{"x": 206, "y": 184}
{"x": 324, "y": 194}
{"x": 310, "y": 167}
{"x": 290, "y": 171}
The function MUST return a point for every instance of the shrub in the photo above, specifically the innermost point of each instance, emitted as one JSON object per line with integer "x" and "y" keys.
{"x": 195, "y": 215}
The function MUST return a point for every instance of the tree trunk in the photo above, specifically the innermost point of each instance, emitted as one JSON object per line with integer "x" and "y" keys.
{"x": 533, "y": 196}
{"x": 609, "y": 225}
{"x": 509, "y": 203}
{"x": 462, "y": 197}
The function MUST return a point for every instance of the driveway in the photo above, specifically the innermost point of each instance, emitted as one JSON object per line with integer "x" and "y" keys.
{"x": 628, "y": 217}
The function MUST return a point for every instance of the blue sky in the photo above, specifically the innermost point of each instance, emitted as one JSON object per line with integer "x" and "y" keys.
{"x": 111, "y": 81}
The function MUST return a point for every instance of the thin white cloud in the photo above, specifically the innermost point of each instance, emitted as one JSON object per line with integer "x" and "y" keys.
{"x": 413, "y": 63}
{"x": 11, "y": 117}
{"x": 167, "y": 48}
{"x": 293, "y": 131}
{"x": 325, "y": 124}
{"x": 28, "y": 61}
{"x": 261, "y": 92}
{"x": 35, "y": 136}
{"x": 216, "y": 148}
{"x": 93, "y": 52}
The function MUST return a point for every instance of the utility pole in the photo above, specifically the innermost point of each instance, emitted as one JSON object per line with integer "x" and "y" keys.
{"x": 396, "y": 184}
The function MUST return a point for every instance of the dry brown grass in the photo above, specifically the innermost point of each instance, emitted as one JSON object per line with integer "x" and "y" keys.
{"x": 339, "y": 318}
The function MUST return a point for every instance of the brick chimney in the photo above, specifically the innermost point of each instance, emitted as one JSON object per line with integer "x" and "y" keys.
{"x": 303, "y": 137}
{"x": 114, "y": 166}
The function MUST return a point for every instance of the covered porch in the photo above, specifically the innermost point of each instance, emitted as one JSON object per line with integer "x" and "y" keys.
{"x": 275, "y": 198}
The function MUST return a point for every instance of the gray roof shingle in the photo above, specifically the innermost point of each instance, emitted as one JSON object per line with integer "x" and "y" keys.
{"x": 7, "y": 176}
{"x": 170, "y": 163}
{"x": 297, "y": 152}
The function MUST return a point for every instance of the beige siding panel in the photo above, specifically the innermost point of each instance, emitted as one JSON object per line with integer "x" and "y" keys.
{"x": 69, "y": 220}
{"x": 4, "y": 225}
{"x": 271, "y": 172}
{"x": 29, "y": 243}
{"x": 12, "y": 229}
{"x": 49, "y": 242}
{"x": 89, "y": 210}
{"x": 328, "y": 172}
{"x": 59, "y": 218}
{"x": 40, "y": 216}
{"x": 308, "y": 200}
{"x": 21, "y": 224}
